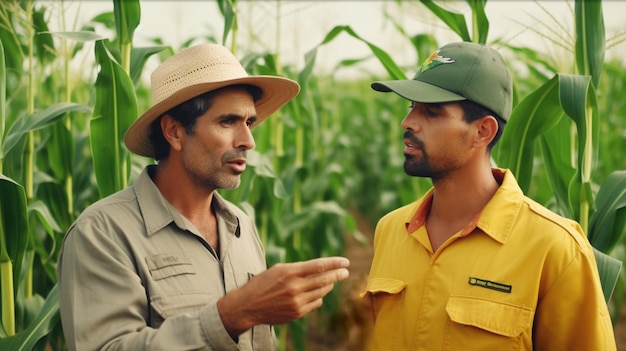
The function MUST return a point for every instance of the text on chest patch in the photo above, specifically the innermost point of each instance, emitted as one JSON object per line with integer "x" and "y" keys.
{"x": 490, "y": 285}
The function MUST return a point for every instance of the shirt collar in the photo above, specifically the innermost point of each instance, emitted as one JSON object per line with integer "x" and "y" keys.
{"x": 496, "y": 218}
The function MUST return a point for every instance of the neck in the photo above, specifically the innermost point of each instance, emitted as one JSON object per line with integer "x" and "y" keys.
{"x": 191, "y": 200}
{"x": 460, "y": 196}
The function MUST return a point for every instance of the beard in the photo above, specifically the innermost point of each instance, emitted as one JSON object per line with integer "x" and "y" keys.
{"x": 212, "y": 171}
{"x": 420, "y": 165}
{"x": 227, "y": 180}
{"x": 417, "y": 166}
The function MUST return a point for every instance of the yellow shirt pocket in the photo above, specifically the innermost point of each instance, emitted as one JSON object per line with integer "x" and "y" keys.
{"x": 491, "y": 325}
{"x": 387, "y": 298}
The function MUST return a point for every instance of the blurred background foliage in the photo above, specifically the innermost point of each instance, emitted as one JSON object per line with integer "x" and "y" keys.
{"x": 326, "y": 167}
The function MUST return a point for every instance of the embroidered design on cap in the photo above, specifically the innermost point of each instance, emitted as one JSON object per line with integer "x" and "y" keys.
{"x": 434, "y": 60}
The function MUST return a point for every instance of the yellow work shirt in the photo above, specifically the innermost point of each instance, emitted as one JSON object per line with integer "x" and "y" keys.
{"x": 519, "y": 277}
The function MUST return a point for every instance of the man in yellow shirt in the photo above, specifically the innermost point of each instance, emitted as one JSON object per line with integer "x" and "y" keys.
{"x": 474, "y": 264}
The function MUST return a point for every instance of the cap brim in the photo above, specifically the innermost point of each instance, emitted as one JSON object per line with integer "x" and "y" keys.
{"x": 277, "y": 91}
{"x": 417, "y": 91}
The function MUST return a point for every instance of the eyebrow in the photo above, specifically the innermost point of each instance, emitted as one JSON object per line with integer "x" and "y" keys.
{"x": 236, "y": 117}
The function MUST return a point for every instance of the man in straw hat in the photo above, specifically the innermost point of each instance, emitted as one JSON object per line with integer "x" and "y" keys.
{"x": 475, "y": 264}
{"x": 168, "y": 264}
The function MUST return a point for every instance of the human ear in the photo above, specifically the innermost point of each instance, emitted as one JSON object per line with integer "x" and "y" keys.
{"x": 172, "y": 132}
{"x": 486, "y": 130}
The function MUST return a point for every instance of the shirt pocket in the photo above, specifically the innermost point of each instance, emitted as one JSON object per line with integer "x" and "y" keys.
{"x": 162, "y": 266}
{"x": 491, "y": 325}
{"x": 168, "y": 306}
{"x": 387, "y": 298}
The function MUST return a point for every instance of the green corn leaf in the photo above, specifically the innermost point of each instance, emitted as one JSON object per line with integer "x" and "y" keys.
{"x": 538, "y": 112}
{"x": 454, "y": 21}
{"x": 37, "y": 121}
{"x": 13, "y": 54}
{"x": 13, "y": 224}
{"x": 425, "y": 45}
{"x": 556, "y": 152}
{"x": 3, "y": 97}
{"x": 590, "y": 38}
{"x": 139, "y": 57}
{"x": 44, "y": 45}
{"x": 127, "y": 15}
{"x": 262, "y": 164}
{"x": 55, "y": 205}
{"x": 41, "y": 326}
{"x": 608, "y": 269}
{"x": 606, "y": 225}
{"x": 79, "y": 36}
{"x": 390, "y": 66}
{"x": 388, "y": 63}
{"x": 42, "y": 211}
{"x": 227, "y": 8}
{"x": 578, "y": 100}
{"x": 264, "y": 168}
{"x": 13, "y": 243}
{"x": 298, "y": 221}
{"x": 114, "y": 111}
{"x": 60, "y": 148}
{"x": 480, "y": 22}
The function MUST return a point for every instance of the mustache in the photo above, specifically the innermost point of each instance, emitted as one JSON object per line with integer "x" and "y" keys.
{"x": 413, "y": 139}
{"x": 234, "y": 154}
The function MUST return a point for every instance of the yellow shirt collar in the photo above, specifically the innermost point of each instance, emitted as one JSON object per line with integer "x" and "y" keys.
{"x": 495, "y": 219}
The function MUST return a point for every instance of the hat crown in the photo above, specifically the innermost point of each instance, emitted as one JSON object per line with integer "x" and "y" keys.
{"x": 474, "y": 71}
{"x": 200, "y": 64}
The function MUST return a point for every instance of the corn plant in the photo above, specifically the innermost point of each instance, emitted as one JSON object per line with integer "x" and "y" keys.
{"x": 48, "y": 183}
{"x": 26, "y": 219}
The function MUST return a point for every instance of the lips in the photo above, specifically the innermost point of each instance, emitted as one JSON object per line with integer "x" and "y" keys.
{"x": 238, "y": 165}
{"x": 410, "y": 147}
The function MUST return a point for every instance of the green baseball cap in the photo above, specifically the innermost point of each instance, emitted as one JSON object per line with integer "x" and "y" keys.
{"x": 459, "y": 71}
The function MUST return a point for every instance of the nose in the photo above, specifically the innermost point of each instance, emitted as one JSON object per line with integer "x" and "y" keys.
{"x": 245, "y": 139}
{"x": 409, "y": 122}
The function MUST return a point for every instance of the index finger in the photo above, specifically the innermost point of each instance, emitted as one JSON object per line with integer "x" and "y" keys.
{"x": 321, "y": 265}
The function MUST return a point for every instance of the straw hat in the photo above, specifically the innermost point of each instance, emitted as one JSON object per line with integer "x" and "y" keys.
{"x": 195, "y": 71}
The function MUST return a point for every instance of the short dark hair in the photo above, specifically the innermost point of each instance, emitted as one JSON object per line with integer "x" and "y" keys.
{"x": 473, "y": 111}
{"x": 187, "y": 114}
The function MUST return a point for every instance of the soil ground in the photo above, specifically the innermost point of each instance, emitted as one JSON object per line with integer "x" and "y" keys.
{"x": 353, "y": 322}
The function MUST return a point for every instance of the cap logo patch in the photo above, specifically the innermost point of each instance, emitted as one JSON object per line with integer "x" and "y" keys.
{"x": 434, "y": 60}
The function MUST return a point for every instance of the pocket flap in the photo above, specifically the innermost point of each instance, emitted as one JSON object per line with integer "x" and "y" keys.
{"x": 168, "y": 306}
{"x": 499, "y": 318}
{"x": 167, "y": 265}
{"x": 383, "y": 285}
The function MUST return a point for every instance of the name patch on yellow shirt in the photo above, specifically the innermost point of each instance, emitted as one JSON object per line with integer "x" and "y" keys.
{"x": 490, "y": 285}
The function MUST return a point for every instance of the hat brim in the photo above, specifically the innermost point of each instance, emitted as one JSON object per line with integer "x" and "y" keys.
{"x": 277, "y": 91}
{"x": 417, "y": 91}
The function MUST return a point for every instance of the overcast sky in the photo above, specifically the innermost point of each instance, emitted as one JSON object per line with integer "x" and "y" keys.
{"x": 303, "y": 24}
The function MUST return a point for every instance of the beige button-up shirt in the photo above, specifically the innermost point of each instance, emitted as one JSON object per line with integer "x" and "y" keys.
{"x": 134, "y": 274}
